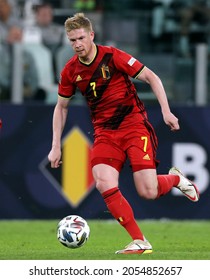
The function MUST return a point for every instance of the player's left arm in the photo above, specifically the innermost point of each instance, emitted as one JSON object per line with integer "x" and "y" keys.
{"x": 157, "y": 87}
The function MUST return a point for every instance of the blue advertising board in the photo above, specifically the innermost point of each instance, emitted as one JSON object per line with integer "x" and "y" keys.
{"x": 30, "y": 189}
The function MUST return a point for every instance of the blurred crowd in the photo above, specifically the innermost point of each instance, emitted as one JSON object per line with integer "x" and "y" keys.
{"x": 189, "y": 20}
{"x": 33, "y": 21}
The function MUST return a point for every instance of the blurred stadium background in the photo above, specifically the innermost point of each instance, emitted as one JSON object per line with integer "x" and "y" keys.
{"x": 150, "y": 30}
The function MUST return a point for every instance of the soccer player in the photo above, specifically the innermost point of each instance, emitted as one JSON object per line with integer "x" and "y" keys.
{"x": 121, "y": 126}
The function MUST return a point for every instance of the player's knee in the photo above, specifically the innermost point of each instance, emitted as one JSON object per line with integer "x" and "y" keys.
{"x": 102, "y": 184}
{"x": 148, "y": 193}
{"x": 104, "y": 180}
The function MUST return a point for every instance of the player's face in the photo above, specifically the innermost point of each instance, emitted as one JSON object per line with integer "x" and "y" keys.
{"x": 82, "y": 43}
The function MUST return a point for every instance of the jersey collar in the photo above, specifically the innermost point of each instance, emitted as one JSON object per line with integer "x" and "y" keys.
{"x": 95, "y": 53}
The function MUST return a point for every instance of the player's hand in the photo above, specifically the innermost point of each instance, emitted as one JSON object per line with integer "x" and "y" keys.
{"x": 172, "y": 121}
{"x": 55, "y": 157}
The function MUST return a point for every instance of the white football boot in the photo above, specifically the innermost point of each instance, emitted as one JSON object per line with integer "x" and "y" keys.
{"x": 137, "y": 246}
{"x": 187, "y": 187}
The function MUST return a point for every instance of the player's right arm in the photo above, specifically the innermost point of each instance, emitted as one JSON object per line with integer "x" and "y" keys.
{"x": 59, "y": 120}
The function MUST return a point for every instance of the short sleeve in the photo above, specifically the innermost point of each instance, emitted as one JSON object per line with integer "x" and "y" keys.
{"x": 127, "y": 63}
{"x": 66, "y": 88}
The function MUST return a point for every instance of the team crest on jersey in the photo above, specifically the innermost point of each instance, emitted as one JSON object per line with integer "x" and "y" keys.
{"x": 105, "y": 72}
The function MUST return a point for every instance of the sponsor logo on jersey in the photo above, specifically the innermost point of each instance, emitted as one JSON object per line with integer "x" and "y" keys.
{"x": 79, "y": 78}
{"x": 146, "y": 157}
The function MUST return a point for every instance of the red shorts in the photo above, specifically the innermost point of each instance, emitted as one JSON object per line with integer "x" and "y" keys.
{"x": 112, "y": 147}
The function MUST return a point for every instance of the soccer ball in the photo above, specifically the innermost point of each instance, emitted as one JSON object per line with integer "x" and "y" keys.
{"x": 73, "y": 231}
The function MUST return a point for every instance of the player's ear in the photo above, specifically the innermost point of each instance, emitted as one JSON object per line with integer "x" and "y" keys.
{"x": 92, "y": 35}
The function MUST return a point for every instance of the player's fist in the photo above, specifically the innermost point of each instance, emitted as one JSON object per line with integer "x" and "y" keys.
{"x": 54, "y": 157}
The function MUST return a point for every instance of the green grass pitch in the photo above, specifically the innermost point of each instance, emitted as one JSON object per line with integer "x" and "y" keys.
{"x": 171, "y": 240}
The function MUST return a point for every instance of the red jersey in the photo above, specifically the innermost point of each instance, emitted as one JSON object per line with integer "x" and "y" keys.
{"x": 107, "y": 87}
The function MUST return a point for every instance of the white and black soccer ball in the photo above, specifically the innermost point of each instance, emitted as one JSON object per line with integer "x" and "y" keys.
{"x": 73, "y": 231}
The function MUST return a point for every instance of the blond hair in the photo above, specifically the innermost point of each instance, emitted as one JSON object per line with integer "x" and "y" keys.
{"x": 78, "y": 21}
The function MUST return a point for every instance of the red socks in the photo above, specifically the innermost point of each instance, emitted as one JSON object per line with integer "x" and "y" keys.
{"x": 122, "y": 212}
{"x": 166, "y": 183}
